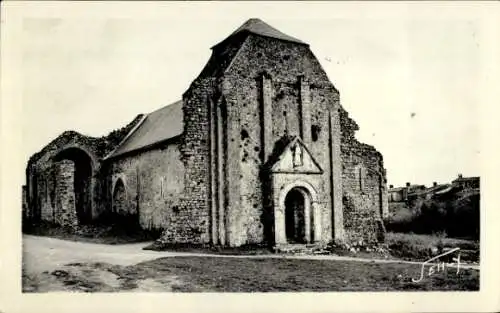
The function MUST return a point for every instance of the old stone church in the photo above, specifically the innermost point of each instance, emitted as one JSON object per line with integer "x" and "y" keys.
{"x": 259, "y": 150}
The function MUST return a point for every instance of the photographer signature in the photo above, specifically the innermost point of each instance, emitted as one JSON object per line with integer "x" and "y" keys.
{"x": 440, "y": 266}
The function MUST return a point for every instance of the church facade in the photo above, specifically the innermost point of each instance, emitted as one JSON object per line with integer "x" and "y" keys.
{"x": 259, "y": 150}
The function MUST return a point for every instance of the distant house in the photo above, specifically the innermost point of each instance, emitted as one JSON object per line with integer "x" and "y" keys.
{"x": 437, "y": 189}
{"x": 400, "y": 194}
{"x": 466, "y": 182}
{"x": 411, "y": 192}
{"x": 397, "y": 194}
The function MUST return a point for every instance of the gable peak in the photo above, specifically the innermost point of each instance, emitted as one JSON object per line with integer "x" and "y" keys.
{"x": 258, "y": 27}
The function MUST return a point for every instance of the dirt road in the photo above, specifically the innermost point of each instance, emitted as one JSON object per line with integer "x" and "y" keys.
{"x": 45, "y": 254}
{"x": 51, "y": 264}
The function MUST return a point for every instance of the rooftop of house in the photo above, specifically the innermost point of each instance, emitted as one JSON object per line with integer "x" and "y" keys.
{"x": 396, "y": 189}
{"x": 437, "y": 187}
{"x": 410, "y": 187}
{"x": 460, "y": 178}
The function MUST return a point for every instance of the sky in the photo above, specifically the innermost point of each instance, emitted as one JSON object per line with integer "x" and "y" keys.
{"x": 411, "y": 77}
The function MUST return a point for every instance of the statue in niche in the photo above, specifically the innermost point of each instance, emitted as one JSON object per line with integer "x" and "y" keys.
{"x": 297, "y": 156}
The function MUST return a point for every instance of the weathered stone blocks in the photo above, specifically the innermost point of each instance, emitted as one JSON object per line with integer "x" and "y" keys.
{"x": 65, "y": 210}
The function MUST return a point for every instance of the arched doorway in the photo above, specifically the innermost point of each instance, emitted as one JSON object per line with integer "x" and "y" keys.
{"x": 297, "y": 216}
{"x": 82, "y": 181}
{"x": 119, "y": 198}
{"x": 296, "y": 203}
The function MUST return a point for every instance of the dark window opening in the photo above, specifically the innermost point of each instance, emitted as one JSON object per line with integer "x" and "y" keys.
{"x": 315, "y": 131}
{"x": 244, "y": 134}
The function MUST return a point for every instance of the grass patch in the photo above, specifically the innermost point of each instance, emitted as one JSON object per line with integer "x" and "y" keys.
{"x": 197, "y": 274}
{"x": 271, "y": 274}
{"x": 420, "y": 247}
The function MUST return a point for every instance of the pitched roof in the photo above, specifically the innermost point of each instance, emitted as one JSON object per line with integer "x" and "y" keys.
{"x": 466, "y": 178}
{"x": 437, "y": 187}
{"x": 411, "y": 188}
{"x": 157, "y": 126}
{"x": 396, "y": 189}
{"x": 258, "y": 27}
{"x": 443, "y": 191}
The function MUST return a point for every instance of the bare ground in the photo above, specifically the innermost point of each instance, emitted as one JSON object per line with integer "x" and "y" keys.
{"x": 51, "y": 264}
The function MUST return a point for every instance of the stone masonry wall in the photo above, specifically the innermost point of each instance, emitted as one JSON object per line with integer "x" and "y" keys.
{"x": 65, "y": 211}
{"x": 40, "y": 173}
{"x": 364, "y": 186}
{"x": 25, "y": 209}
{"x": 192, "y": 222}
{"x": 286, "y": 64}
{"x": 154, "y": 184}
{"x": 40, "y": 181}
{"x": 46, "y": 196}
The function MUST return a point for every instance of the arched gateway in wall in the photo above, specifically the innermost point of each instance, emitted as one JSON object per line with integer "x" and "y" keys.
{"x": 81, "y": 176}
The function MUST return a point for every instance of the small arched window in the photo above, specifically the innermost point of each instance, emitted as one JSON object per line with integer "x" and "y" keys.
{"x": 119, "y": 197}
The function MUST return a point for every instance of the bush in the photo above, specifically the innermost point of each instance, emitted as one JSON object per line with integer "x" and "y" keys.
{"x": 422, "y": 247}
{"x": 456, "y": 215}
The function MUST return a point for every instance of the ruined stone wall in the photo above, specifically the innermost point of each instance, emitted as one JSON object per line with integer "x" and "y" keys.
{"x": 195, "y": 221}
{"x": 154, "y": 184}
{"x": 55, "y": 194}
{"x": 192, "y": 223}
{"x": 46, "y": 197}
{"x": 64, "y": 212}
{"x": 25, "y": 209}
{"x": 286, "y": 65}
{"x": 40, "y": 183}
{"x": 41, "y": 179}
{"x": 364, "y": 186}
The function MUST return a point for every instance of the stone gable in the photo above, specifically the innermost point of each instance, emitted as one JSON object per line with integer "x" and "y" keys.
{"x": 296, "y": 158}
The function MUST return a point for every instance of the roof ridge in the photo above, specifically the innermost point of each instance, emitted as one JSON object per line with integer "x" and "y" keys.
{"x": 157, "y": 126}
{"x": 163, "y": 107}
{"x": 124, "y": 140}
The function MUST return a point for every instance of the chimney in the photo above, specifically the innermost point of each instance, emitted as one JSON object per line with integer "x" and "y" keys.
{"x": 459, "y": 175}
{"x": 407, "y": 184}
{"x": 434, "y": 184}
